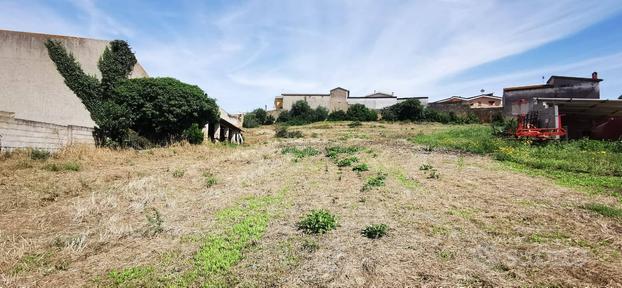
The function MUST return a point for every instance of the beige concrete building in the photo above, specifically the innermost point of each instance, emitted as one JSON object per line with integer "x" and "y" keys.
{"x": 37, "y": 109}
{"x": 340, "y": 99}
{"x": 478, "y": 101}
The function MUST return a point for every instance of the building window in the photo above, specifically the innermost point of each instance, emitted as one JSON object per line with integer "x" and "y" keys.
{"x": 491, "y": 102}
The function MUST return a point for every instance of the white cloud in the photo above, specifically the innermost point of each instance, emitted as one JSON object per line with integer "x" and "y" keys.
{"x": 246, "y": 53}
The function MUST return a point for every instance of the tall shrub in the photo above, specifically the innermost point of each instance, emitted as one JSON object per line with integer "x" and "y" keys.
{"x": 159, "y": 109}
{"x": 358, "y": 112}
{"x": 162, "y": 108}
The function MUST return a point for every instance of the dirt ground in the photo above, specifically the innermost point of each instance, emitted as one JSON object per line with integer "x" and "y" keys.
{"x": 477, "y": 224}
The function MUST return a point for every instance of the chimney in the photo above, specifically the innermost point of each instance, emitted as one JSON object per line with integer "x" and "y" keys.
{"x": 594, "y": 76}
{"x": 392, "y": 93}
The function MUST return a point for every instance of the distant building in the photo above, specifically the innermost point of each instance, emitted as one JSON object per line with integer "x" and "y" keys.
{"x": 518, "y": 99}
{"x": 340, "y": 99}
{"x": 479, "y": 101}
{"x": 572, "y": 101}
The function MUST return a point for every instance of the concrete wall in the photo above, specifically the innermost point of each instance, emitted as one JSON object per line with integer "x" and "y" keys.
{"x": 33, "y": 89}
{"x": 313, "y": 100}
{"x": 20, "y": 133}
{"x": 423, "y": 101}
{"x": 373, "y": 103}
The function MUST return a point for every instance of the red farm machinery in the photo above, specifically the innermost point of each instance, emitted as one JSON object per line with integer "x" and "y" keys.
{"x": 528, "y": 128}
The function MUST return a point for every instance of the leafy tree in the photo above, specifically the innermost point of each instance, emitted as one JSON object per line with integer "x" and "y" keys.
{"x": 301, "y": 110}
{"x": 269, "y": 120}
{"x": 358, "y": 112}
{"x": 159, "y": 109}
{"x": 410, "y": 109}
{"x": 620, "y": 97}
{"x": 260, "y": 115}
{"x": 320, "y": 114}
{"x": 194, "y": 134}
{"x": 283, "y": 117}
{"x": 338, "y": 115}
{"x": 162, "y": 108}
{"x": 250, "y": 121}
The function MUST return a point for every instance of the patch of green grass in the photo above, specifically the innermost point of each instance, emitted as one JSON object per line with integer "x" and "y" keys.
{"x": 375, "y": 181}
{"x": 425, "y": 167}
{"x": 318, "y": 222}
{"x": 446, "y": 254}
{"x": 335, "y": 151}
{"x": 178, "y": 173}
{"x": 375, "y": 231}
{"x": 68, "y": 166}
{"x": 130, "y": 277}
{"x": 154, "y": 222}
{"x": 300, "y": 153}
{"x": 433, "y": 174}
{"x": 360, "y": 167}
{"x": 604, "y": 210}
{"x": 347, "y": 161}
{"x": 407, "y": 182}
{"x": 593, "y": 165}
{"x": 38, "y": 154}
{"x": 467, "y": 213}
{"x": 210, "y": 179}
{"x": 547, "y": 237}
{"x": 310, "y": 245}
{"x": 31, "y": 262}
{"x": 355, "y": 124}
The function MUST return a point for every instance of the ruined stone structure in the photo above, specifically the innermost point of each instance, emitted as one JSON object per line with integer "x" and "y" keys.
{"x": 340, "y": 99}
{"x": 228, "y": 129}
{"x": 38, "y": 109}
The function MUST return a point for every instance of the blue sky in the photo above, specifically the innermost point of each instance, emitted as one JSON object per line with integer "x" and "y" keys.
{"x": 243, "y": 53}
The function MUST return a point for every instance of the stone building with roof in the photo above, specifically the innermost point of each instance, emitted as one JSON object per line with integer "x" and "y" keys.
{"x": 340, "y": 99}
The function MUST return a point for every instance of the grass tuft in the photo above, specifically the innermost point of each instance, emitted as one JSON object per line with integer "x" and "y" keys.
{"x": 375, "y": 231}
{"x": 604, "y": 210}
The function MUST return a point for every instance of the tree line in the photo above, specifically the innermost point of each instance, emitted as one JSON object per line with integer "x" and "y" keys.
{"x": 410, "y": 110}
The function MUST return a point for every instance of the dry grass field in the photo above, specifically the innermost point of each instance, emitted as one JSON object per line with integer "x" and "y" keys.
{"x": 226, "y": 216}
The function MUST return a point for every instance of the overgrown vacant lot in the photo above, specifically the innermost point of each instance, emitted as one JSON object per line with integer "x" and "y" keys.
{"x": 219, "y": 215}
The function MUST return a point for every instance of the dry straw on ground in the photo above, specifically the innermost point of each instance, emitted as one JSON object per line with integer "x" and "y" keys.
{"x": 479, "y": 224}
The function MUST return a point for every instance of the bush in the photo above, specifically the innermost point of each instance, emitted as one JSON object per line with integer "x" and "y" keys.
{"x": 300, "y": 153}
{"x": 283, "y": 117}
{"x": 355, "y": 124}
{"x": 162, "y": 108}
{"x": 347, "y": 161}
{"x": 282, "y": 132}
{"x": 334, "y": 151}
{"x": 318, "y": 222}
{"x": 375, "y": 181}
{"x": 194, "y": 134}
{"x": 375, "y": 231}
{"x": 320, "y": 114}
{"x": 360, "y": 168}
{"x": 260, "y": 115}
{"x": 210, "y": 179}
{"x": 136, "y": 141}
{"x": 358, "y": 112}
{"x": 338, "y": 115}
{"x": 269, "y": 120}
{"x": 250, "y": 121}
{"x": 38, "y": 154}
{"x": 159, "y": 109}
